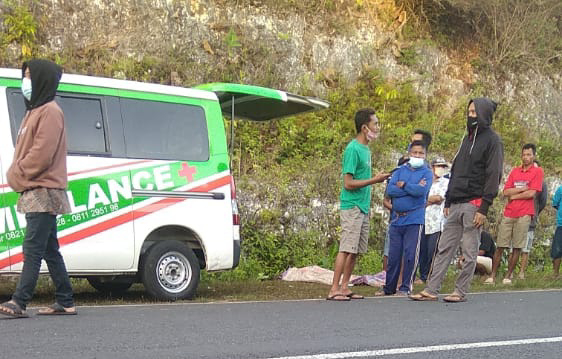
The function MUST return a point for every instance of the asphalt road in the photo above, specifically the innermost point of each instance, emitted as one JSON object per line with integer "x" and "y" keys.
{"x": 318, "y": 329}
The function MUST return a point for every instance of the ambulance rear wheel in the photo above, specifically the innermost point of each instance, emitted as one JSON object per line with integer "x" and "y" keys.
{"x": 170, "y": 271}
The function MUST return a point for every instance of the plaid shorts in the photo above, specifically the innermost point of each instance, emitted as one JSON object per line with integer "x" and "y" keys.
{"x": 355, "y": 231}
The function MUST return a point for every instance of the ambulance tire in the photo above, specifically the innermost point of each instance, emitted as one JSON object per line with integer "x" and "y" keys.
{"x": 114, "y": 286}
{"x": 170, "y": 271}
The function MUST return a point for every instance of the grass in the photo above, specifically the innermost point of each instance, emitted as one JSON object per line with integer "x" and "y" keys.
{"x": 252, "y": 290}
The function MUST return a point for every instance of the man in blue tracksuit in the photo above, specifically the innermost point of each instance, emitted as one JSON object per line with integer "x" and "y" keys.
{"x": 408, "y": 189}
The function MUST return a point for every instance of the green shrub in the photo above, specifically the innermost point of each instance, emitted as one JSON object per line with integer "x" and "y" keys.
{"x": 19, "y": 26}
{"x": 369, "y": 263}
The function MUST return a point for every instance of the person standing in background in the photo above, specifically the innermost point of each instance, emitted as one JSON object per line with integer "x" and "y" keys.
{"x": 556, "y": 249}
{"x": 522, "y": 184}
{"x": 433, "y": 216}
{"x": 540, "y": 202}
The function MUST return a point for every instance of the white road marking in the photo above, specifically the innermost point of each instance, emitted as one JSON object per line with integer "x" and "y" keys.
{"x": 433, "y": 348}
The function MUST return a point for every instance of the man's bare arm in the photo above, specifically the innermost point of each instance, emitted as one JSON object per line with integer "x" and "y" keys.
{"x": 513, "y": 191}
{"x": 528, "y": 194}
{"x": 350, "y": 183}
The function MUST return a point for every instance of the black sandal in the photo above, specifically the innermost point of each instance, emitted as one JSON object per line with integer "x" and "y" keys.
{"x": 13, "y": 310}
{"x": 355, "y": 296}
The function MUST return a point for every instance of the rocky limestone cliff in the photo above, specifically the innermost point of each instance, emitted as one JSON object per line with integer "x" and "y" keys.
{"x": 296, "y": 48}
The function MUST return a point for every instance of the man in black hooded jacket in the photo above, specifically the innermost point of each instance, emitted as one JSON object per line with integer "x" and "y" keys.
{"x": 474, "y": 183}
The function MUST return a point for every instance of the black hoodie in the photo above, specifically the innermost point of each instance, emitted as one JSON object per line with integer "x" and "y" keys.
{"x": 45, "y": 77}
{"x": 477, "y": 167}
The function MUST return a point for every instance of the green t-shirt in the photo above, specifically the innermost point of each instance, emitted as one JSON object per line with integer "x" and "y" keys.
{"x": 357, "y": 162}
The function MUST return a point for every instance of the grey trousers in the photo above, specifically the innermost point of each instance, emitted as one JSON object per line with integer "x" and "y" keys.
{"x": 458, "y": 230}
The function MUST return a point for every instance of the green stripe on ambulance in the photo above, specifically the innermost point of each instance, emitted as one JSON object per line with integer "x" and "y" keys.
{"x": 98, "y": 196}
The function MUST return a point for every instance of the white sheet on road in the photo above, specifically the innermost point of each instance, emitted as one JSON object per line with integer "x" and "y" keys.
{"x": 316, "y": 274}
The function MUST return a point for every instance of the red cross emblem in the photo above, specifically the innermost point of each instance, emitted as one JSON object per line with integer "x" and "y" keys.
{"x": 187, "y": 171}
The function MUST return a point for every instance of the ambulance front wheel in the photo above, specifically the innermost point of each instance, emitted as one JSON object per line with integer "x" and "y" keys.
{"x": 170, "y": 271}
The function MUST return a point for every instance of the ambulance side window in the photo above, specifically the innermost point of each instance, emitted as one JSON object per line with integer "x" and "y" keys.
{"x": 85, "y": 128}
{"x": 164, "y": 131}
{"x": 83, "y": 119}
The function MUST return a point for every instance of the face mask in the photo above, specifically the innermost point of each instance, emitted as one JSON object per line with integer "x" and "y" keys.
{"x": 416, "y": 162}
{"x": 471, "y": 122}
{"x": 26, "y": 88}
{"x": 440, "y": 171}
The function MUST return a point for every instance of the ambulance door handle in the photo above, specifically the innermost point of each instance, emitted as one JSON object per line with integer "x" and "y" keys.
{"x": 178, "y": 194}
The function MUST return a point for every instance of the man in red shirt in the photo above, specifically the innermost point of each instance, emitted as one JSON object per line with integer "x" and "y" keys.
{"x": 520, "y": 188}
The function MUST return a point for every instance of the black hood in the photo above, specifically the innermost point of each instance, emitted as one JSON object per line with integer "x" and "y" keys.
{"x": 485, "y": 109}
{"x": 45, "y": 77}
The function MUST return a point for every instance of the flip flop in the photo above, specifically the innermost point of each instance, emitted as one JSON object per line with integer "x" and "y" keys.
{"x": 354, "y": 296}
{"x": 454, "y": 298}
{"x": 12, "y": 310}
{"x": 343, "y": 298}
{"x": 423, "y": 296}
{"x": 55, "y": 309}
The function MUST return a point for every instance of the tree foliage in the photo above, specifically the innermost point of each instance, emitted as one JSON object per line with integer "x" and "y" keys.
{"x": 19, "y": 26}
{"x": 512, "y": 33}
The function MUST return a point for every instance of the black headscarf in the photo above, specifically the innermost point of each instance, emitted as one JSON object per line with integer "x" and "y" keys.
{"x": 45, "y": 77}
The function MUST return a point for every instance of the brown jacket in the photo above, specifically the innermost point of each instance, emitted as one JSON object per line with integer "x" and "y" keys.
{"x": 40, "y": 154}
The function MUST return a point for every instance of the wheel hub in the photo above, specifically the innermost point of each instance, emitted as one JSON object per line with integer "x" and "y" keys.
{"x": 173, "y": 272}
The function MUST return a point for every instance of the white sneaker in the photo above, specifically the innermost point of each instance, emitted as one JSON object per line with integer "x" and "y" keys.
{"x": 506, "y": 281}
{"x": 489, "y": 280}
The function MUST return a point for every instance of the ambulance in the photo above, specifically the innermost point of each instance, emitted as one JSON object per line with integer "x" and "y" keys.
{"x": 149, "y": 179}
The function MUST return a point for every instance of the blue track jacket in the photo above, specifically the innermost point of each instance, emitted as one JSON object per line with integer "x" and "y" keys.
{"x": 408, "y": 203}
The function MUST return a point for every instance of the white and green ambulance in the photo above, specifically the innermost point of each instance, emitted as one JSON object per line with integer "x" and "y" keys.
{"x": 152, "y": 195}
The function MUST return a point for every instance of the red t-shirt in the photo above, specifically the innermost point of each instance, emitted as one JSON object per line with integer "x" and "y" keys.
{"x": 518, "y": 178}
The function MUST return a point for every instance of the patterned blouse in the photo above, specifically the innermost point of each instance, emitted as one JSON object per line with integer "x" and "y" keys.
{"x": 51, "y": 200}
{"x": 434, "y": 217}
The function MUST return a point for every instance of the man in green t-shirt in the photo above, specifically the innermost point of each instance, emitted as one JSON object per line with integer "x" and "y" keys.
{"x": 355, "y": 200}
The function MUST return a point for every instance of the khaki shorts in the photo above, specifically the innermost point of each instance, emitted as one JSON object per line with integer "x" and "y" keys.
{"x": 354, "y": 231}
{"x": 513, "y": 232}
